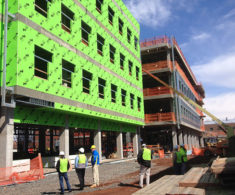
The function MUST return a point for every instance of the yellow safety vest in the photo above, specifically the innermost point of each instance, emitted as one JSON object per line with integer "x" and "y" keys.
{"x": 82, "y": 159}
{"x": 64, "y": 165}
{"x": 146, "y": 154}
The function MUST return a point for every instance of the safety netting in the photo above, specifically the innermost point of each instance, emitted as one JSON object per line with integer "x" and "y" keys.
{"x": 18, "y": 174}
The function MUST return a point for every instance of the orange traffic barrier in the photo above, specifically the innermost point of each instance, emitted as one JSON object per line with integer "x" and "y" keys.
{"x": 8, "y": 176}
{"x": 198, "y": 152}
{"x": 161, "y": 153}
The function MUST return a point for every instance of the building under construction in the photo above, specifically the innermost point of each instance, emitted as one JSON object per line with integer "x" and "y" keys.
{"x": 70, "y": 78}
{"x": 170, "y": 120}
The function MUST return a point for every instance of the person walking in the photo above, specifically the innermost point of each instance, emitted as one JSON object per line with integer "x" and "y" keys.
{"x": 62, "y": 167}
{"x": 177, "y": 160}
{"x": 144, "y": 159}
{"x": 81, "y": 163}
{"x": 95, "y": 161}
{"x": 184, "y": 159}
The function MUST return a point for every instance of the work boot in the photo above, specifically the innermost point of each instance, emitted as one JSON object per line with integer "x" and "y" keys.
{"x": 93, "y": 186}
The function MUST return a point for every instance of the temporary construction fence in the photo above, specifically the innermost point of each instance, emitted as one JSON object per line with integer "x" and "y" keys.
{"x": 10, "y": 175}
{"x": 198, "y": 151}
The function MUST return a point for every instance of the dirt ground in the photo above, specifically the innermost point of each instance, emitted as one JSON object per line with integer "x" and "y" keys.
{"x": 115, "y": 178}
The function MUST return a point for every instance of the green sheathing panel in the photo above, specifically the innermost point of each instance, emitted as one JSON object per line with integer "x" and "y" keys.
{"x": 22, "y": 63}
{"x": 39, "y": 116}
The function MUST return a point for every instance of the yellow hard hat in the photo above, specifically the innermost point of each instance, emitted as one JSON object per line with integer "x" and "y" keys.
{"x": 93, "y": 147}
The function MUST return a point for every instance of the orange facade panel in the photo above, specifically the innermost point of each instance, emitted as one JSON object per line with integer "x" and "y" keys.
{"x": 160, "y": 117}
{"x": 157, "y": 65}
{"x": 157, "y": 91}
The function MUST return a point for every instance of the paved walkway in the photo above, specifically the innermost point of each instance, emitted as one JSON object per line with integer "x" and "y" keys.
{"x": 110, "y": 174}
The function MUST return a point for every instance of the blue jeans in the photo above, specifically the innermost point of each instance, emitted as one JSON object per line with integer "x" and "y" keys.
{"x": 65, "y": 176}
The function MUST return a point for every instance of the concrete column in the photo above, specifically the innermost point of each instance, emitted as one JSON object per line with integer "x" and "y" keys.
{"x": 135, "y": 145}
{"x": 180, "y": 137}
{"x": 119, "y": 142}
{"x": 6, "y": 137}
{"x": 198, "y": 142}
{"x": 189, "y": 140}
{"x": 185, "y": 135}
{"x": 97, "y": 143}
{"x": 64, "y": 140}
{"x": 202, "y": 142}
{"x": 174, "y": 136}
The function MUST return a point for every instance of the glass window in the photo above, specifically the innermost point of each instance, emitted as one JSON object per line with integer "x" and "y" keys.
{"x": 113, "y": 93}
{"x": 122, "y": 60}
{"x": 86, "y": 30}
{"x": 130, "y": 67}
{"x": 112, "y": 53}
{"x": 123, "y": 97}
{"x": 99, "y": 4}
{"x": 139, "y": 103}
{"x": 42, "y": 57}
{"x": 101, "y": 83}
{"x": 137, "y": 73}
{"x": 132, "y": 100}
{"x": 86, "y": 81}
{"x": 136, "y": 43}
{"x": 67, "y": 70}
{"x": 111, "y": 15}
{"x": 66, "y": 17}
{"x": 120, "y": 23}
{"x": 41, "y": 6}
{"x": 129, "y": 35}
{"x": 100, "y": 44}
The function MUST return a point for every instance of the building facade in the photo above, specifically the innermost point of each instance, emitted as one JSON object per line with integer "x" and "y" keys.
{"x": 214, "y": 130}
{"x": 170, "y": 120}
{"x": 70, "y": 78}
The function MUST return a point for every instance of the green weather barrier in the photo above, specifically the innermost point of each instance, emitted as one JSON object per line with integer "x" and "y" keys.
{"x": 20, "y": 64}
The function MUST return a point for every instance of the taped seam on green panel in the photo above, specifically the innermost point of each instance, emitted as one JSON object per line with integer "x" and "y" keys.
{"x": 110, "y": 33}
{"x": 43, "y": 31}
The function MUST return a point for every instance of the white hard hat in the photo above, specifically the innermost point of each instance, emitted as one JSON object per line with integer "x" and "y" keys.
{"x": 143, "y": 145}
{"x": 61, "y": 153}
{"x": 81, "y": 150}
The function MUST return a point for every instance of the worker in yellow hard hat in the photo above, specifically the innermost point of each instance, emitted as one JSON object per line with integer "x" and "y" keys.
{"x": 95, "y": 161}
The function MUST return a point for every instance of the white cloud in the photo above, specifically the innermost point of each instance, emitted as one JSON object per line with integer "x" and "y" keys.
{"x": 151, "y": 12}
{"x": 229, "y": 14}
{"x": 222, "y": 106}
{"x": 219, "y": 71}
{"x": 201, "y": 36}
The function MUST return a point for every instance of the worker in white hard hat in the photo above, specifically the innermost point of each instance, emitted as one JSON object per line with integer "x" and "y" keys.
{"x": 81, "y": 163}
{"x": 95, "y": 161}
{"x": 144, "y": 159}
{"x": 62, "y": 167}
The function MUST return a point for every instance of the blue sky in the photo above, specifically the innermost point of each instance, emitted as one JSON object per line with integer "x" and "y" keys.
{"x": 205, "y": 31}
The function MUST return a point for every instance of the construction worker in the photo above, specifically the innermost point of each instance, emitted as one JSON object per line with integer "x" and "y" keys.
{"x": 62, "y": 167}
{"x": 81, "y": 163}
{"x": 177, "y": 160}
{"x": 183, "y": 153}
{"x": 144, "y": 159}
{"x": 95, "y": 161}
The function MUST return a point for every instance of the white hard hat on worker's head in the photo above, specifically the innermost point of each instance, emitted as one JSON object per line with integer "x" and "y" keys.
{"x": 61, "y": 153}
{"x": 143, "y": 145}
{"x": 81, "y": 150}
